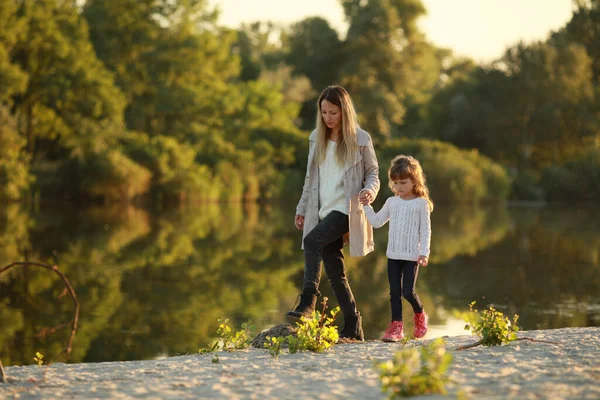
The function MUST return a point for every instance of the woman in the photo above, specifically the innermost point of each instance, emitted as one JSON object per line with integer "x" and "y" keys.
{"x": 341, "y": 166}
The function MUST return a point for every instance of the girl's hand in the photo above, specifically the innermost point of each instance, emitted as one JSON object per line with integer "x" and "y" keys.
{"x": 299, "y": 221}
{"x": 365, "y": 197}
{"x": 423, "y": 261}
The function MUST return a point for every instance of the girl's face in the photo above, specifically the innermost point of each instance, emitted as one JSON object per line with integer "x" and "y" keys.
{"x": 403, "y": 188}
{"x": 331, "y": 114}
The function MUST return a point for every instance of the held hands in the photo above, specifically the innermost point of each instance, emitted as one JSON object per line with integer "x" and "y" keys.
{"x": 299, "y": 221}
{"x": 423, "y": 261}
{"x": 365, "y": 197}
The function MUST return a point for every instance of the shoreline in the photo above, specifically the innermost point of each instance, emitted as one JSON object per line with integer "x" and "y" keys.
{"x": 569, "y": 369}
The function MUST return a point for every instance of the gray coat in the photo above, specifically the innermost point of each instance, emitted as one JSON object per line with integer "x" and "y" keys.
{"x": 362, "y": 172}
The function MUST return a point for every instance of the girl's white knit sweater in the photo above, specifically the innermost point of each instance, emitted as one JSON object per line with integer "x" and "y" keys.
{"x": 410, "y": 227}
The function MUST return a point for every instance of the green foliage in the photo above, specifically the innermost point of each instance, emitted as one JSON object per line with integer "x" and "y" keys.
{"x": 315, "y": 333}
{"x": 527, "y": 187}
{"x": 257, "y": 52}
{"x": 535, "y": 108}
{"x": 453, "y": 175}
{"x": 377, "y": 59}
{"x": 576, "y": 179}
{"x": 583, "y": 29}
{"x": 314, "y": 49}
{"x": 230, "y": 341}
{"x": 70, "y": 99}
{"x": 15, "y": 177}
{"x": 39, "y": 358}
{"x": 115, "y": 177}
{"x": 79, "y": 77}
{"x": 175, "y": 172}
{"x": 414, "y": 372}
{"x": 491, "y": 326}
{"x": 273, "y": 344}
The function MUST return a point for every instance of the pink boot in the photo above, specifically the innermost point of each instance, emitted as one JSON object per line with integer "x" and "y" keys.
{"x": 393, "y": 333}
{"x": 420, "y": 321}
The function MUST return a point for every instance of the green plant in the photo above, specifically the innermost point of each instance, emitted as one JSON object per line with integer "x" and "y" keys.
{"x": 315, "y": 333}
{"x": 273, "y": 344}
{"x": 415, "y": 372}
{"x": 491, "y": 326}
{"x": 39, "y": 358}
{"x": 294, "y": 344}
{"x": 215, "y": 359}
{"x": 229, "y": 342}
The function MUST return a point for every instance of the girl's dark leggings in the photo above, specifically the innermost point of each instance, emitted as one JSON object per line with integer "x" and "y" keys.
{"x": 402, "y": 275}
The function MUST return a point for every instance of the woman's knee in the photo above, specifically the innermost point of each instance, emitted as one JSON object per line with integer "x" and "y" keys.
{"x": 335, "y": 270}
{"x": 311, "y": 242}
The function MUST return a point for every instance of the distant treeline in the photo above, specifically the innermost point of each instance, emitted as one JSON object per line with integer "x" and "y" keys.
{"x": 114, "y": 100}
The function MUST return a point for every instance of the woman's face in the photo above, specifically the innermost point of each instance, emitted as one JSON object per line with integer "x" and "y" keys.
{"x": 332, "y": 115}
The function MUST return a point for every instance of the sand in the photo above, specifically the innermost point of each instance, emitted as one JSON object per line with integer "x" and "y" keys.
{"x": 522, "y": 369}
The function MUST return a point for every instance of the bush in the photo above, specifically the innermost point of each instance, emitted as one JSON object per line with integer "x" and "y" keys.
{"x": 316, "y": 333}
{"x": 526, "y": 187}
{"x": 229, "y": 341}
{"x": 491, "y": 326}
{"x": 453, "y": 175}
{"x": 414, "y": 372}
{"x": 575, "y": 180}
{"x": 113, "y": 176}
{"x": 175, "y": 173}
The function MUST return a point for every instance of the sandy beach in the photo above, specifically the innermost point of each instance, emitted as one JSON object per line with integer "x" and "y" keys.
{"x": 522, "y": 369}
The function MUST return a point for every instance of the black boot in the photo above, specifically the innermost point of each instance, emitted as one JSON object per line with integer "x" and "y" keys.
{"x": 308, "y": 302}
{"x": 352, "y": 328}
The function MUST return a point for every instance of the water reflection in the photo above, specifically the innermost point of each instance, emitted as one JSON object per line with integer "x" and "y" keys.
{"x": 155, "y": 283}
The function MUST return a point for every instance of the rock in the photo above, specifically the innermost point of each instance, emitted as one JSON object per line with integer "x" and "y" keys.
{"x": 281, "y": 330}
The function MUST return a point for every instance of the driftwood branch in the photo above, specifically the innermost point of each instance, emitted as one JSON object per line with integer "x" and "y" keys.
{"x": 535, "y": 340}
{"x": 73, "y": 322}
{"x": 468, "y": 346}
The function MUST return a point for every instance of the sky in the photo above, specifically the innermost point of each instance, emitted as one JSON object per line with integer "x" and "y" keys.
{"x": 479, "y": 29}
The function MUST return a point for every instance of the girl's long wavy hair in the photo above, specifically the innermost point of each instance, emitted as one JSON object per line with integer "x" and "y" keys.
{"x": 347, "y": 144}
{"x": 404, "y": 167}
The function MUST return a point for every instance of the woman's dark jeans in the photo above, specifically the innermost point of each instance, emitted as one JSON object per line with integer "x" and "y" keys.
{"x": 402, "y": 275}
{"x": 325, "y": 243}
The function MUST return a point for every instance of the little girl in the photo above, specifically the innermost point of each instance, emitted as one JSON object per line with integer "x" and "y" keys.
{"x": 408, "y": 240}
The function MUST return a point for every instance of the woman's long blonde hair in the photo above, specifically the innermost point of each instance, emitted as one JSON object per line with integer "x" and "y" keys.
{"x": 347, "y": 143}
{"x": 407, "y": 167}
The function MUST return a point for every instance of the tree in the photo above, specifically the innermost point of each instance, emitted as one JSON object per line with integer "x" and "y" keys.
{"x": 377, "y": 60}
{"x": 584, "y": 28}
{"x": 69, "y": 93}
{"x": 313, "y": 49}
{"x": 256, "y": 49}
{"x": 14, "y": 163}
{"x": 170, "y": 59}
{"x": 534, "y": 107}
{"x": 552, "y": 102}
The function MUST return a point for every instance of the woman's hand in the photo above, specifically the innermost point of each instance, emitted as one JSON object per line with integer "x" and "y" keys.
{"x": 365, "y": 197}
{"x": 299, "y": 221}
{"x": 423, "y": 261}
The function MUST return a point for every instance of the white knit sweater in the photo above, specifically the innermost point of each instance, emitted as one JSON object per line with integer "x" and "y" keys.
{"x": 410, "y": 227}
{"x": 331, "y": 184}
